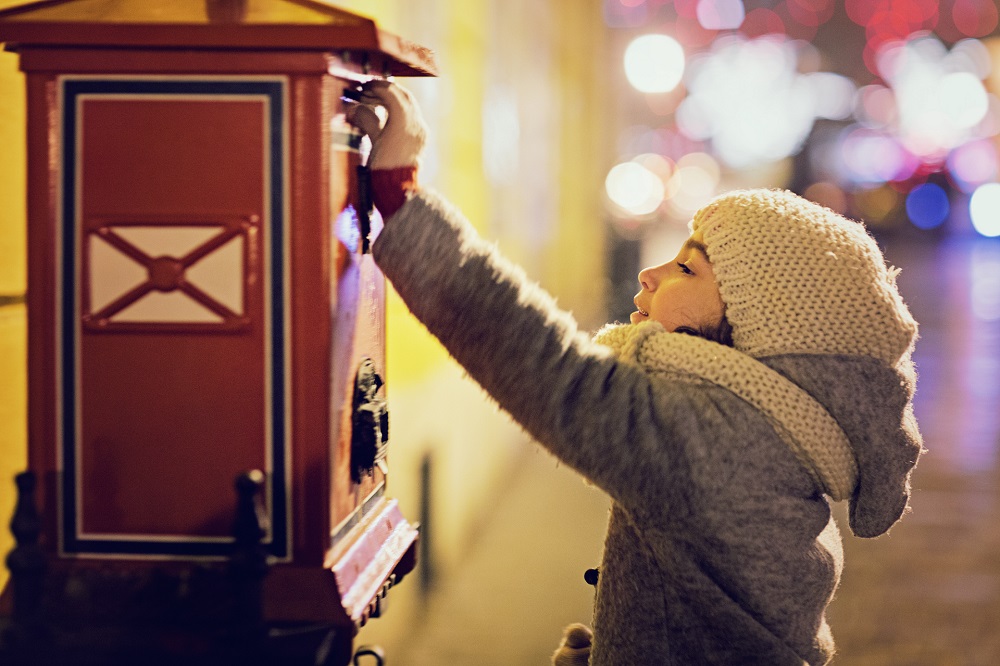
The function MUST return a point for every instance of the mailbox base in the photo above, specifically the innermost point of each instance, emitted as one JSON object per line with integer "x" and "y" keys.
{"x": 238, "y": 611}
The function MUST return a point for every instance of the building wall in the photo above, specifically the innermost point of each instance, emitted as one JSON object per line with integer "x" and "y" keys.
{"x": 13, "y": 321}
{"x": 518, "y": 144}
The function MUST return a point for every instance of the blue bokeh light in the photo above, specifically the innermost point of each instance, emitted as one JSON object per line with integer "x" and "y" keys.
{"x": 927, "y": 206}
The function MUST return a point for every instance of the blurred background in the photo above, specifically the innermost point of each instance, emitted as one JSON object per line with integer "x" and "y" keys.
{"x": 581, "y": 135}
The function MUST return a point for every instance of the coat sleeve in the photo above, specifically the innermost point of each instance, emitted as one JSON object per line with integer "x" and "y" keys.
{"x": 604, "y": 418}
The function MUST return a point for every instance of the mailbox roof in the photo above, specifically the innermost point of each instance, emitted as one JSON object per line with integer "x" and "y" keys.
{"x": 234, "y": 24}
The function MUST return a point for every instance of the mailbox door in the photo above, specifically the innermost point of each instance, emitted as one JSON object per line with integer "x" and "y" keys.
{"x": 170, "y": 311}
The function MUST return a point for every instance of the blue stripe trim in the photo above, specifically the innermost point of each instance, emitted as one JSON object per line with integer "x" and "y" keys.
{"x": 68, "y": 328}
{"x": 275, "y": 92}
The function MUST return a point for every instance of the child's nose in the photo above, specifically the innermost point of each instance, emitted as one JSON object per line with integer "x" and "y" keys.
{"x": 650, "y": 277}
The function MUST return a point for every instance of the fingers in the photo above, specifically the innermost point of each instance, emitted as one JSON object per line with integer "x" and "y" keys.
{"x": 397, "y": 100}
{"x": 398, "y": 142}
{"x": 384, "y": 93}
{"x": 365, "y": 119}
{"x": 376, "y": 91}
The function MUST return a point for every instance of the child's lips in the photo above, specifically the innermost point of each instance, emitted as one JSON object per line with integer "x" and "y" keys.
{"x": 638, "y": 315}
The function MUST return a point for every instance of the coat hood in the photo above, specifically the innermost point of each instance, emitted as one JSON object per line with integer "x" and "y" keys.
{"x": 848, "y": 419}
{"x": 873, "y": 405}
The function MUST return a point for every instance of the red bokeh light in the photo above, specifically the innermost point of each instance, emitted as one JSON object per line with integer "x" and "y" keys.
{"x": 687, "y": 8}
{"x": 927, "y": 10}
{"x": 810, "y": 12}
{"x": 887, "y": 26}
{"x": 690, "y": 33}
{"x": 796, "y": 29}
{"x": 861, "y": 11}
{"x": 974, "y": 18}
{"x": 870, "y": 56}
{"x": 762, "y": 21}
{"x": 818, "y": 6}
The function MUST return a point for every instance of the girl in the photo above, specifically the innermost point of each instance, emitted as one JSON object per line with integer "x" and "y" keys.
{"x": 720, "y": 455}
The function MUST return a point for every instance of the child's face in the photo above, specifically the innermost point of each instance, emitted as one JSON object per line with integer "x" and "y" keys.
{"x": 680, "y": 293}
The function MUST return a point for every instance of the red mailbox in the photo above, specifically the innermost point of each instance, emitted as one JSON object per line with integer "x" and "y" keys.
{"x": 200, "y": 300}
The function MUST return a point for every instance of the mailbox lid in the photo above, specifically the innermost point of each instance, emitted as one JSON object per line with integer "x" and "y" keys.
{"x": 216, "y": 24}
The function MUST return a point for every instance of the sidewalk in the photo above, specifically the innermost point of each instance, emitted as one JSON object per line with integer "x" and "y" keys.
{"x": 520, "y": 585}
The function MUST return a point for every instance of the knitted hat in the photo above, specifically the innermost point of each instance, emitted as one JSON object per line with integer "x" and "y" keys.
{"x": 799, "y": 278}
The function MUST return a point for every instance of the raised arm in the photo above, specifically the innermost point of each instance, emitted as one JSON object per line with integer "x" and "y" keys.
{"x": 602, "y": 417}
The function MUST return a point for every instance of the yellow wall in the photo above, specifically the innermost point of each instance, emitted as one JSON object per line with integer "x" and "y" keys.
{"x": 546, "y": 216}
{"x": 546, "y": 58}
{"x": 576, "y": 266}
{"x": 12, "y": 173}
{"x": 13, "y": 385}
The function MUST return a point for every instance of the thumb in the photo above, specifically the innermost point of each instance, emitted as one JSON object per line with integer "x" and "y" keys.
{"x": 365, "y": 119}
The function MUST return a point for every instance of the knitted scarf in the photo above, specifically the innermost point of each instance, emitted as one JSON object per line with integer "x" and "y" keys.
{"x": 801, "y": 422}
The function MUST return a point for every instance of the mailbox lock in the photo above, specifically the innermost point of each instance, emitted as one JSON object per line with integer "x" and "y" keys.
{"x": 369, "y": 424}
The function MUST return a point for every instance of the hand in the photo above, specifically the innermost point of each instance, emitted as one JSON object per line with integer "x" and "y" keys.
{"x": 575, "y": 647}
{"x": 400, "y": 142}
{"x": 396, "y": 146}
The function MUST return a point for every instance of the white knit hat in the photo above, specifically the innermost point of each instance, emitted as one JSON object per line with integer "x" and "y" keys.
{"x": 799, "y": 278}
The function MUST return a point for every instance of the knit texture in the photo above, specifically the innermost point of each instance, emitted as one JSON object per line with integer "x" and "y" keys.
{"x": 799, "y": 278}
{"x": 801, "y": 422}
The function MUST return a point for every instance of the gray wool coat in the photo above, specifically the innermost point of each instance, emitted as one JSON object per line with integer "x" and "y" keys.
{"x": 720, "y": 547}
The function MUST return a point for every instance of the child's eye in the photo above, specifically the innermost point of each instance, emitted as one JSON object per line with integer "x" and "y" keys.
{"x": 684, "y": 268}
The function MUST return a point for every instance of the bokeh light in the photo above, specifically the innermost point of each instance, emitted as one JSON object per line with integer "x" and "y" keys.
{"x": 687, "y": 8}
{"x": 634, "y": 189}
{"x": 972, "y": 55}
{"x": 872, "y": 156}
{"x": 914, "y": 142}
{"x": 973, "y": 164}
{"x": 875, "y": 106}
{"x": 861, "y": 11}
{"x": 984, "y": 209}
{"x": 876, "y": 204}
{"x": 974, "y": 18}
{"x": 720, "y": 14}
{"x": 927, "y": 206}
{"x": 762, "y": 21}
{"x": 654, "y": 63}
{"x": 663, "y": 167}
{"x": 827, "y": 194}
{"x": 693, "y": 184}
{"x": 939, "y": 97}
{"x": 833, "y": 95}
{"x": 625, "y": 13}
{"x": 811, "y": 12}
{"x": 749, "y": 100}
{"x": 693, "y": 34}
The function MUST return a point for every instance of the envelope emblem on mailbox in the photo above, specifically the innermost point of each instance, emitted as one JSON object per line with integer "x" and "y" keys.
{"x": 172, "y": 276}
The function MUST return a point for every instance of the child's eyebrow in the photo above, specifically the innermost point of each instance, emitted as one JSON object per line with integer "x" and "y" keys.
{"x": 692, "y": 244}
